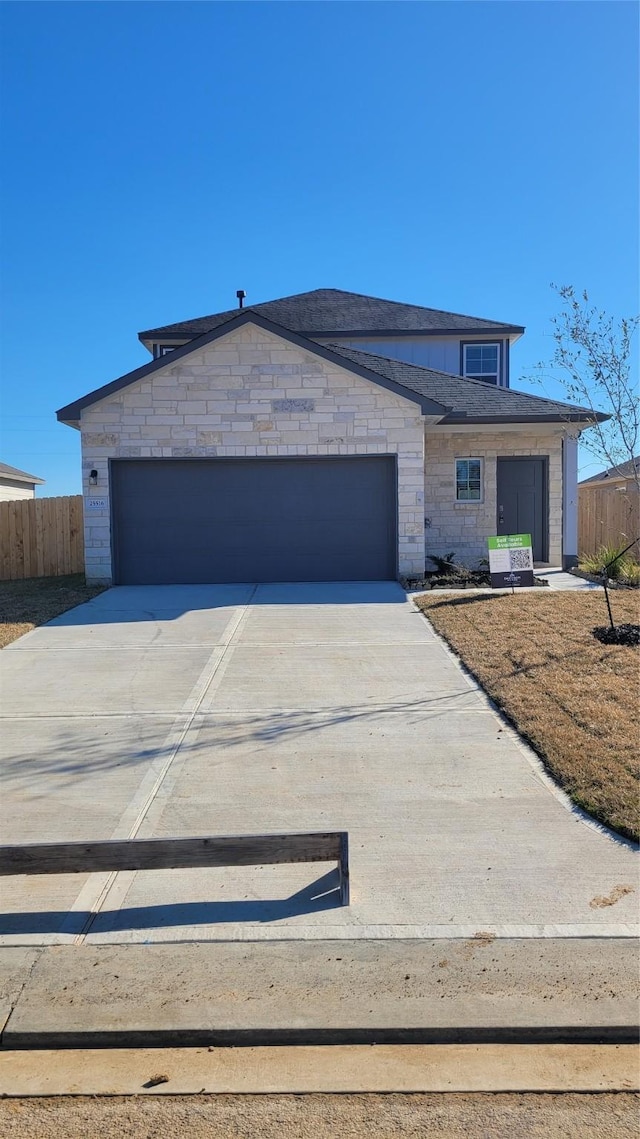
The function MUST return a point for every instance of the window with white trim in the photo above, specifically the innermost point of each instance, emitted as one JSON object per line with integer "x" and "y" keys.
{"x": 481, "y": 362}
{"x": 468, "y": 480}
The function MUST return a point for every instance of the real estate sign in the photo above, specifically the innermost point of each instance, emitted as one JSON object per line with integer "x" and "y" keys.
{"x": 510, "y": 560}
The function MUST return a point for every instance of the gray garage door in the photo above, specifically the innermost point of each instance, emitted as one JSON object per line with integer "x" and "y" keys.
{"x": 189, "y": 521}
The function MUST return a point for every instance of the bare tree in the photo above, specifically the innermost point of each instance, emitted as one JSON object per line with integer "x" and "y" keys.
{"x": 593, "y": 356}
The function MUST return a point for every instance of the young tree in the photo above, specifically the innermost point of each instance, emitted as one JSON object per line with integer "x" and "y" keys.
{"x": 593, "y": 356}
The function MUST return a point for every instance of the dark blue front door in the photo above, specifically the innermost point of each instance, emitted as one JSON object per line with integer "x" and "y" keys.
{"x": 522, "y": 497}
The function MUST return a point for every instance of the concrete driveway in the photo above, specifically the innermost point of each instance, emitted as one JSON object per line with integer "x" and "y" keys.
{"x": 190, "y": 710}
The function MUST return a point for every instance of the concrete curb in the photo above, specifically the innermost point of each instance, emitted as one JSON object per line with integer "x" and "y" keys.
{"x": 260, "y": 1071}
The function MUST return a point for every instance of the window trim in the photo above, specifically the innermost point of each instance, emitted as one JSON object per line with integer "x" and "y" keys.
{"x": 498, "y": 345}
{"x": 468, "y": 459}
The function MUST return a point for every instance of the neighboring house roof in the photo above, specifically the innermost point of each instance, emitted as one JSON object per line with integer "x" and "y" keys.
{"x": 626, "y": 470}
{"x": 332, "y": 312}
{"x": 453, "y": 399}
{"x": 7, "y": 472}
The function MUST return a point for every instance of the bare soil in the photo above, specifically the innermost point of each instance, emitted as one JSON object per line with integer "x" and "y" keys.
{"x": 26, "y": 604}
{"x": 574, "y": 699}
{"x": 444, "y": 1116}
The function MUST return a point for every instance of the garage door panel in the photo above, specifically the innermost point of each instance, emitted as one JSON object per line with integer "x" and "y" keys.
{"x": 200, "y": 521}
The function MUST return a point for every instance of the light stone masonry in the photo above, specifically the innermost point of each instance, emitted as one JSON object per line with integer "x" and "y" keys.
{"x": 276, "y": 399}
{"x": 463, "y": 527}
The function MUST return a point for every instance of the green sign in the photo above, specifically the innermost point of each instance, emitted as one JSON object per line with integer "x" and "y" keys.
{"x": 510, "y": 560}
{"x": 509, "y": 541}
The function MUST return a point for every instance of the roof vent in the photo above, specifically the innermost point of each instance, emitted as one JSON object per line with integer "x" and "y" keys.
{"x": 240, "y": 295}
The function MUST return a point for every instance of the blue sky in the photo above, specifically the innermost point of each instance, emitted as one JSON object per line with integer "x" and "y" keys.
{"x": 158, "y": 156}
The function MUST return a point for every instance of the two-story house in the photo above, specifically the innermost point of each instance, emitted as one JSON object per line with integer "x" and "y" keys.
{"x": 323, "y": 436}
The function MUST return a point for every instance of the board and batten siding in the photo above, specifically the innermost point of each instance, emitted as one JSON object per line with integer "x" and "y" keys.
{"x": 252, "y": 393}
{"x": 440, "y": 353}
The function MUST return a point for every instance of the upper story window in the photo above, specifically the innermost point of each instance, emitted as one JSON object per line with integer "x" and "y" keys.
{"x": 481, "y": 362}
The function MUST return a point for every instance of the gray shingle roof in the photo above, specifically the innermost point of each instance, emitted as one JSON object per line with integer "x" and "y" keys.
{"x": 453, "y": 399}
{"x": 467, "y": 400}
{"x": 622, "y": 471}
{"x": 7, "y": 472}
{"x": 332, "y": 311}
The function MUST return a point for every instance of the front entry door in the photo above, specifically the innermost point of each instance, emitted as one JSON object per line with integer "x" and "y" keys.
{"x": 522, "y": 494}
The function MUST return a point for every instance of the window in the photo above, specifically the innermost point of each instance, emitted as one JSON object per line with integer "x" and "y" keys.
{"x": 481, "y": 362}
{"x": 468, "y": 480}
{"x": 163, "y": 349}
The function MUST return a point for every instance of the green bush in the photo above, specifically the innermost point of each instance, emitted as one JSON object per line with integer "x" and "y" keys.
{"x": 621, "y": 566}
{"x": 631, "y": 573}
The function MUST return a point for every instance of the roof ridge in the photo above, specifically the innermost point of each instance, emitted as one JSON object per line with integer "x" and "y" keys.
{"x": 412, "y": 304}
{"x": 475, "y": 323}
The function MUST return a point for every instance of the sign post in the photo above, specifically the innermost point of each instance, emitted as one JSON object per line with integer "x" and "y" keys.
{"x": 510, "y": 560}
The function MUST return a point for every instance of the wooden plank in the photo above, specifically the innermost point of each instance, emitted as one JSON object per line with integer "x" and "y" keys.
{"x": 25, "y": 504}
{"x": 5, "y": 560}
{"x": 62, "y": 527}
{"x": 39, "y": 516}
{"x": 50, "y": 561}
{"x": 33, "y": 537}
{"x": 76, "y": 534}
{"x": 15, "y": 562}
{"x": 343, "y": 867}
{"x": 174, "y": 853}
{"x": 25, "y": 510}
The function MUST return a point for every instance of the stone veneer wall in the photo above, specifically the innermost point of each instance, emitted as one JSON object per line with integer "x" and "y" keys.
{"x": 463, "y": 527}
{"x": 252, "y": 393}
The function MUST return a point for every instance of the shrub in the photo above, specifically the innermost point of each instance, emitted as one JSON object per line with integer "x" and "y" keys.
{"x": 621, "y": 567}
{"x": 630, "y": 573}
{"x": 446, "y": 564}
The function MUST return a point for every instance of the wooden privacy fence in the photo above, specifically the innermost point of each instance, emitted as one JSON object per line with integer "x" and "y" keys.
{"x": 608, "y": 514}
{"x": 41, "y": 537}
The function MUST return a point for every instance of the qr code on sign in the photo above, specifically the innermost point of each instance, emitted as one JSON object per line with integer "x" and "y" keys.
{"x": 520, "y": 559}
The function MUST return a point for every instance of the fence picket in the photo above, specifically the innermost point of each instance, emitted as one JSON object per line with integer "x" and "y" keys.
{"x": 41, "y": 537}
{"x": 607, "y": 515}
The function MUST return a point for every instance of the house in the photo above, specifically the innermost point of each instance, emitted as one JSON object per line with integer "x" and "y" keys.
{"x": 623, "y": 474}
{"x": 17, "y": 484}
{"x": 322, "y": 436}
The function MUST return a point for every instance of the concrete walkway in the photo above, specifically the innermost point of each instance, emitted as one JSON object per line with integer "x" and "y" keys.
{"x": 560, "y": 579}
{"x": 237, "y": 709}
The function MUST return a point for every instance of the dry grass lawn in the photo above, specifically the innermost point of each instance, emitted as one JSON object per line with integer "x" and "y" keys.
{"x": 574, "y": 699}
{"x": 26, "y": 604}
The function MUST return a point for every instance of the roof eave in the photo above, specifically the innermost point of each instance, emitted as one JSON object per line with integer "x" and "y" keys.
{"x": 564, "y": 417}
{"x": 168, "y": 332}
{"x": 30, "y": 480}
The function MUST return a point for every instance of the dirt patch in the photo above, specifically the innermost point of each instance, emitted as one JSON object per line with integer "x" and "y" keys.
{"x": 574, "y": 699}
{"x": 616, "y": 894}
{"x": 444, "y": 1116}
{"x": 26, "y": 604}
